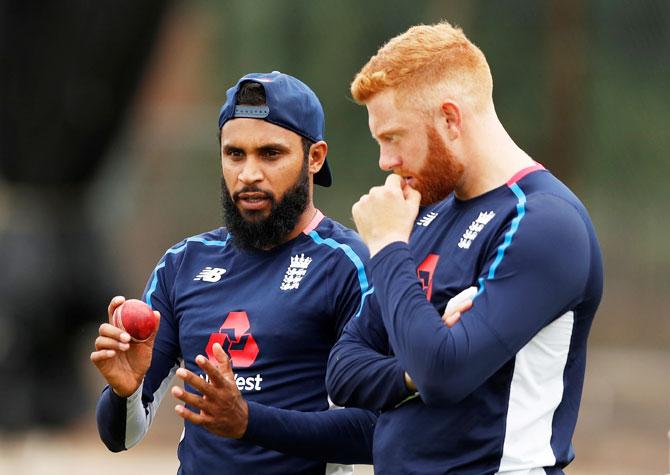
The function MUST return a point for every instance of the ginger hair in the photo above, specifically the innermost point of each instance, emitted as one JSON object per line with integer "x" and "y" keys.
{"x": 425, "y": 61}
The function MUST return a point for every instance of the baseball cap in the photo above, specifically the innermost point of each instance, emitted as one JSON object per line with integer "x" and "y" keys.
{"x": 289, "y": 103}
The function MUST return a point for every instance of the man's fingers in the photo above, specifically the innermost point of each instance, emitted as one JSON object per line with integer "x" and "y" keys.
{"x": 115, "y": 302}
{"x": 187, "y": 414}
{"x": 452, "y": 319}
{"x": 461, "y": 307}
{"x": 356, "y": 209}
{"x": 106, "y": 343}
{"x": 189, "y": 398}
{"x": 222, "y": 358}
{"x": 225, "y": 365}
{"x": 195, "y": 381}
{"x": 102, "y": 355}
{"x": 392, "y": 188}
{"x": 393, "y": 181}
{"x": 467, "y": 294}
{"x": 453, "y": 313}
{"x": 212, "y": 370}
{"x": 110, "y": 331}
{"x": 465, "y": 306}
{"x": 412, "y": 196}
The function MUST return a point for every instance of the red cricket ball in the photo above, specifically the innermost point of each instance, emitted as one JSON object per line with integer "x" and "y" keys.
{"x": 136, "y": 318}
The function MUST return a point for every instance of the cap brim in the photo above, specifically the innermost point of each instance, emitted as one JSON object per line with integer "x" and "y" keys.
{"x": 323, "y": 176}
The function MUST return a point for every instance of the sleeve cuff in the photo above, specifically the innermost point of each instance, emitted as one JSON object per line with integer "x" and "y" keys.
{"x": 256, "y": 416}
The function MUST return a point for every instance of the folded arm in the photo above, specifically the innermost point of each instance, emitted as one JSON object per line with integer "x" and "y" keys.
{"x": 362, "y": 371}
{"x": 542, "y": 274}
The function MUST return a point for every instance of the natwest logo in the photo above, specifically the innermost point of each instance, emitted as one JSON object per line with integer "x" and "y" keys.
{"x": 236, "y": 340}
{"x": 425, "y": 273}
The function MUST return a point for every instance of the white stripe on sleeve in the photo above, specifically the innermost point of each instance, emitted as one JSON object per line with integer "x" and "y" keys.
{"x": 138, "y": 420}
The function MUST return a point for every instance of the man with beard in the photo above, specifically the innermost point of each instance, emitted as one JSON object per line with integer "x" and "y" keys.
{"x": 499, "y": 391}
{"x": 250, "y": 310}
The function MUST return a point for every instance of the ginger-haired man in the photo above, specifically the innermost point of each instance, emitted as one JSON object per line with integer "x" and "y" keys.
{"x": 499, "y": 391}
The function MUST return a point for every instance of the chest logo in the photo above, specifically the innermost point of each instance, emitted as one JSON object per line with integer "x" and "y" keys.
{"x": 210, "y": 274}
{"x": 236, "y": 339}
{"x": 295, "y": 272}
{"x": 425, "y": 273}
{"x": 427, "y": 219}
{"x": 475, "y": 228}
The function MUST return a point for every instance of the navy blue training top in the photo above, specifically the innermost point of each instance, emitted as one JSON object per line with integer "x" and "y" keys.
{"x": 499, "y": 391}
{"x": 277, "y": 314}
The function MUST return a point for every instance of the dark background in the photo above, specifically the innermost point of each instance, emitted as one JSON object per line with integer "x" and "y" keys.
{"x": 108, "y": 156}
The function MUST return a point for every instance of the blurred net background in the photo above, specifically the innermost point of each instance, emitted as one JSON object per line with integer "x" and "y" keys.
{"x": 108, "y": 156}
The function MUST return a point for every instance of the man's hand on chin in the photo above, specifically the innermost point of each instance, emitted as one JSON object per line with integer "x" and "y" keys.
{"x": 386, "y": 214}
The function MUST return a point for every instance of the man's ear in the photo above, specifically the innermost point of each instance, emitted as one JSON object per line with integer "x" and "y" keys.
{"x": 452, "y": 119}
{"x": 317, "y": 156}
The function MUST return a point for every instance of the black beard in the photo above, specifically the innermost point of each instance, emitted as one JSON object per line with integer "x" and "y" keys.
{"x": 273, "y": 230}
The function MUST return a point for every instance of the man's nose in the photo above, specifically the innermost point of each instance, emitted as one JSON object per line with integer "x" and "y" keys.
{"x": 388, "y": 162}
{"x": 252, "y": 172}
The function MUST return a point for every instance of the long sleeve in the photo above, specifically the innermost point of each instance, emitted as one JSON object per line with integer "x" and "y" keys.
{"x": 535, "y": 273}
{"x": 339, "y": 435}
{"x": 123, "y": 422}
{"x": 362, "y": 371}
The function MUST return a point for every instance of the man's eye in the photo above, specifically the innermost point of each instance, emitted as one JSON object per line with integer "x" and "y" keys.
{"x": 272, "y": 153}
{"x": 234, "y": 154}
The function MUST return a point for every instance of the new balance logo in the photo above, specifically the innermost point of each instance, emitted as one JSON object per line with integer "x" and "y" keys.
{"x": 295, "y": 272}
{"x": 475, "y": 228}
{"x": 427, "y": 219}
{"x": 210, "y": 274}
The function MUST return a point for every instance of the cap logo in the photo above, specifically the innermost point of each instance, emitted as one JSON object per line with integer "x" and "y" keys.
{"x": 252, "y": 112}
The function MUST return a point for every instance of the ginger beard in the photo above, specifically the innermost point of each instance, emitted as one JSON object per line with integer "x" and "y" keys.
{"x": 440, "y": 173}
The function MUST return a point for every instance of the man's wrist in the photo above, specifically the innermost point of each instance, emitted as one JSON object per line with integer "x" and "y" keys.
{"x": 127, "y": 394}
{"x": 377, "y": 245}
{"x": 244, "y": 408}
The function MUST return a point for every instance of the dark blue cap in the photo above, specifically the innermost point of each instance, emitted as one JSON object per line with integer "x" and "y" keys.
{"x": 289, "y": 103}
